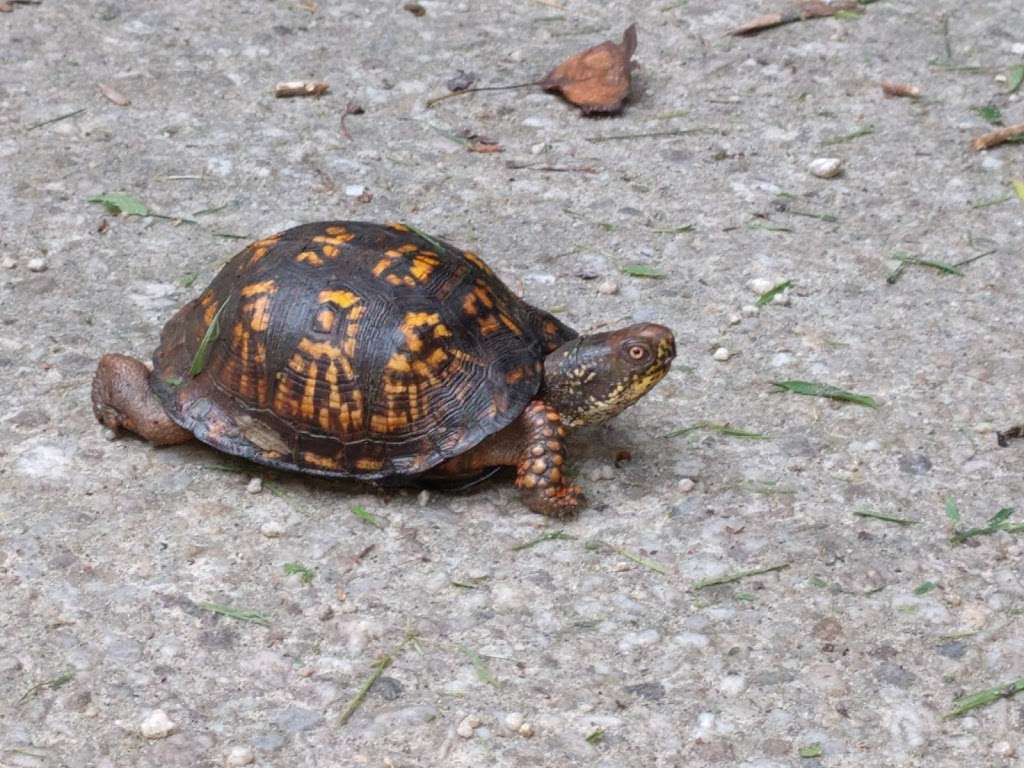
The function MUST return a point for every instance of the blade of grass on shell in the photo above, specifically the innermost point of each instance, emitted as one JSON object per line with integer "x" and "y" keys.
{"x": 885, "y": 518}
{"x": 984, "y": 698}
{"x": 437, "y": 246}
{"x": 815, "y": 389}
{"x": 203, "y": 350}
{"x": 771, "y": 293}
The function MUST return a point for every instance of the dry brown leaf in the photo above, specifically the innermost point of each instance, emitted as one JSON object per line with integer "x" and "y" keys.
{"x": 300, "y": 88}
{"x": 113, "y": 95}
{"x": 890, "y": 88}
{"x": 997, "y": 137}
{"x": 598, "y": 79}
{"x": 811, "y": 9}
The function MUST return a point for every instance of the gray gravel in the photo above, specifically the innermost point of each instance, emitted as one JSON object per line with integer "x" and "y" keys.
{"x": 109, "y": 549}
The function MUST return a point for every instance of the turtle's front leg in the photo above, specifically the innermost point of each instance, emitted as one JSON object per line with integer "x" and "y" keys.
{"x": 541, "y": 465}
{"x": 122, "y": 399}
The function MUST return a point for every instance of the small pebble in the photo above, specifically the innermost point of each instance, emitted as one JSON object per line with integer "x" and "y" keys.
{"x": 238, "y": 756}
{"x": 603, "y": 472}
{"x": 537, "y": 149}
{"x": 514, "y": 721}
{"x": 735, "y": 318}
{"x": 732, "y": 685}
{"x": 1004, "y": 749}
{"x": 272, "y": 529}
{"x": 1000, "y": 78}
{"x": 760, "y": 285}
{"x": 469, "y": 724}
{"x": 722, "y": 354}
{"x": 157, "y": 725}
{"x": 37, "y": 265}
{"x": 8, "y": 263}
{"x": 984, "y": 427}
{"x": 109, "y": 434}
{"x": 686, "y": 485}
{"x": 826, "y": 167}
{"x": 255, "y": 485}
{"x": 749, "y": 310}
{"x": 608, "y": 288}
{"x": 782, "y": 298}
{"x": 423, "y": 498}
{"x": 526, "y": 730}
{"x": 354, "y": 190}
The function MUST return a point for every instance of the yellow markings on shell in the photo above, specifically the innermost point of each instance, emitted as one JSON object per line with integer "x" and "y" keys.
{"x": 477, "y": 262}
{"x": 339, "y": 232}
{"x": 311, "y": 258}
{"x": 415, "y": 320}
{"x": 369, "y": 465}
{"x": 399, "y": 363}
{"x": 255, "y": 289}
{"x": 260, "y": 314}
{"x": 343, "y": 299}
{"x": 483, "y": 293}
{"x": 385, "y": 262}
{"x": 421, "y": 268}
{"x": 437, "y": 357}
{"x": 307, "y": 407}
{"x": 408, "y": 248}
{"x": 489, "y": 325}
{"x": 209, "y": 314}
{"x": 325, "y": 321}
{"x": 397, "y": 226}
{"x": 550, "y": 328}
{"x": 338, "y": 239}
{"x": 511, "y": 325}
{"x": 316, "y": 460}
{"x": 330, "y": 251}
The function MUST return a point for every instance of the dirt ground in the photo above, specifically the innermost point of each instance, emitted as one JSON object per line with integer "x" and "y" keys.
{"x": 602, "y": 645}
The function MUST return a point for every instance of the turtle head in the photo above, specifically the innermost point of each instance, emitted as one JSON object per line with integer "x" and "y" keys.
{"x": 592, "y": 378}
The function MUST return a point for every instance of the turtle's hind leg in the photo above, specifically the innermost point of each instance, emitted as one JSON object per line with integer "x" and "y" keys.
{"x": 122, "y": 399}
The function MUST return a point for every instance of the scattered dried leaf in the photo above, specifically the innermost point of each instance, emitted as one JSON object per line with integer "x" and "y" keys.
{"x": 997, "y": 137}
{"x": 415, "y": 9}
{"x": 301, "y": 88}
{"x": 113, "y": 95}
{"x": 905, "y": 90}
{"x": 598, "y": 79}
{"x": 811, "y": 9}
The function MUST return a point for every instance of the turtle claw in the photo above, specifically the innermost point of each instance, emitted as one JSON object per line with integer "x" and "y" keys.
{"x": 560, "y": 502}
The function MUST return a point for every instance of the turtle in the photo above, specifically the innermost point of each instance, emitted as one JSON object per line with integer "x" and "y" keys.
{"x": 350, "y": 349}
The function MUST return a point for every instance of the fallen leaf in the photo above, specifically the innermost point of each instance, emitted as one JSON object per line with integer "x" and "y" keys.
{"x": 811, "y": 9}
{"x": 890, "y": 88}
{"x": 118, "y": 203}
{"x": 598, "y": 79}
{"x": 113, "y": 95}
{"x": 415, "y": 9}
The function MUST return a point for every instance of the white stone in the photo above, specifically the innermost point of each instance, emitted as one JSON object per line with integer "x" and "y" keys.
{"x": 782, "y": 298}
{"x": 760, "y": 285}
{"x": 826, "y": 167}
{"x": 721, "y": 354}
{"x": 468, "y": 725}
{"x": 1004, "y": 749}
{"x": 608, "y": 288}
{"x": 37, "y": 265}
{"x": 255, "y": 485}
{"x": 272, "y": 529}
{"x": 354, "y": 190}
{"x": 735, "y": 318}
{"x": 8, "y": 263}
{"x": 686, "y": 485}
{"x": 749, "y": 310}
{"x": 423, "y": 498}
{"x": 732, "y": 685}
{"x": 537, "y": 149}
{"x": 1017, "y": 49}
{"x": 514, "y": 721}
{"x": 1000, "y": 79}
{"x": 157, "y": 725}
{"x": 526, "y": 730}
{"x": 238, "y": 756}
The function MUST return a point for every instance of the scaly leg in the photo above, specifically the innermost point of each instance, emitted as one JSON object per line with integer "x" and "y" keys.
{"x": 122, "y": 399}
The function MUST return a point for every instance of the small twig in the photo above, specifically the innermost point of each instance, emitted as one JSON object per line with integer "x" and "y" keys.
{"x": 997, "y": 137}
{"x": 300, "y": 88}
{"x": 517, "y": 165}
{"x": 905, "y": 90}
{"x": 453, "y": 94}
{"x": 53, "y": 684}
{"x": 350, "y": 109}
{"x": 55, "y": 119}
{"x": 729, "y": 578}
{"x": 650, "y": 135}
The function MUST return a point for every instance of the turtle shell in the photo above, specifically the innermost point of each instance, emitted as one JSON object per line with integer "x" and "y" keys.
{"x": 350, "y": 349}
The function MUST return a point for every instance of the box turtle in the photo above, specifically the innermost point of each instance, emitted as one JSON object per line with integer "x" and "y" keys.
{"x": 376, "y": 352}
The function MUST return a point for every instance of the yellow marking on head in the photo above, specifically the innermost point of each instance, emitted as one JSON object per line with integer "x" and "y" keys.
{"x": 254, "y": 289}
{"x": 324, "y": 321}
{"x": 343, "y": 299}
{"x": 310, "y": 257}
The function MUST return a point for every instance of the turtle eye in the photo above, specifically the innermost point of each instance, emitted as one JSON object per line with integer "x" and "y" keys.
{"x": 637, "y": 352}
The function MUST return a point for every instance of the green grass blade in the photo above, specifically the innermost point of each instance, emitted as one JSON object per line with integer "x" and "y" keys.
{"x": 480, "y": 667}
{"x": 241, "y": 614}
{"x": 119, "y": 203}
{"x": 984, "y": 698}
{"x": 885, "y": 518}
{"x": 558, "y": 535}
{"x": 367, "y": 517}
{"x": 1015, "y": 78}
{"x": 203, "y": 351}
{"x": 731, "y": 577}
{"x": 771, "y": 293}
{"x": 815, "y": 389}
{"x": 305, "y": 574}
{"x": 952, "y": 511}
{"x": 639, "y": 270}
